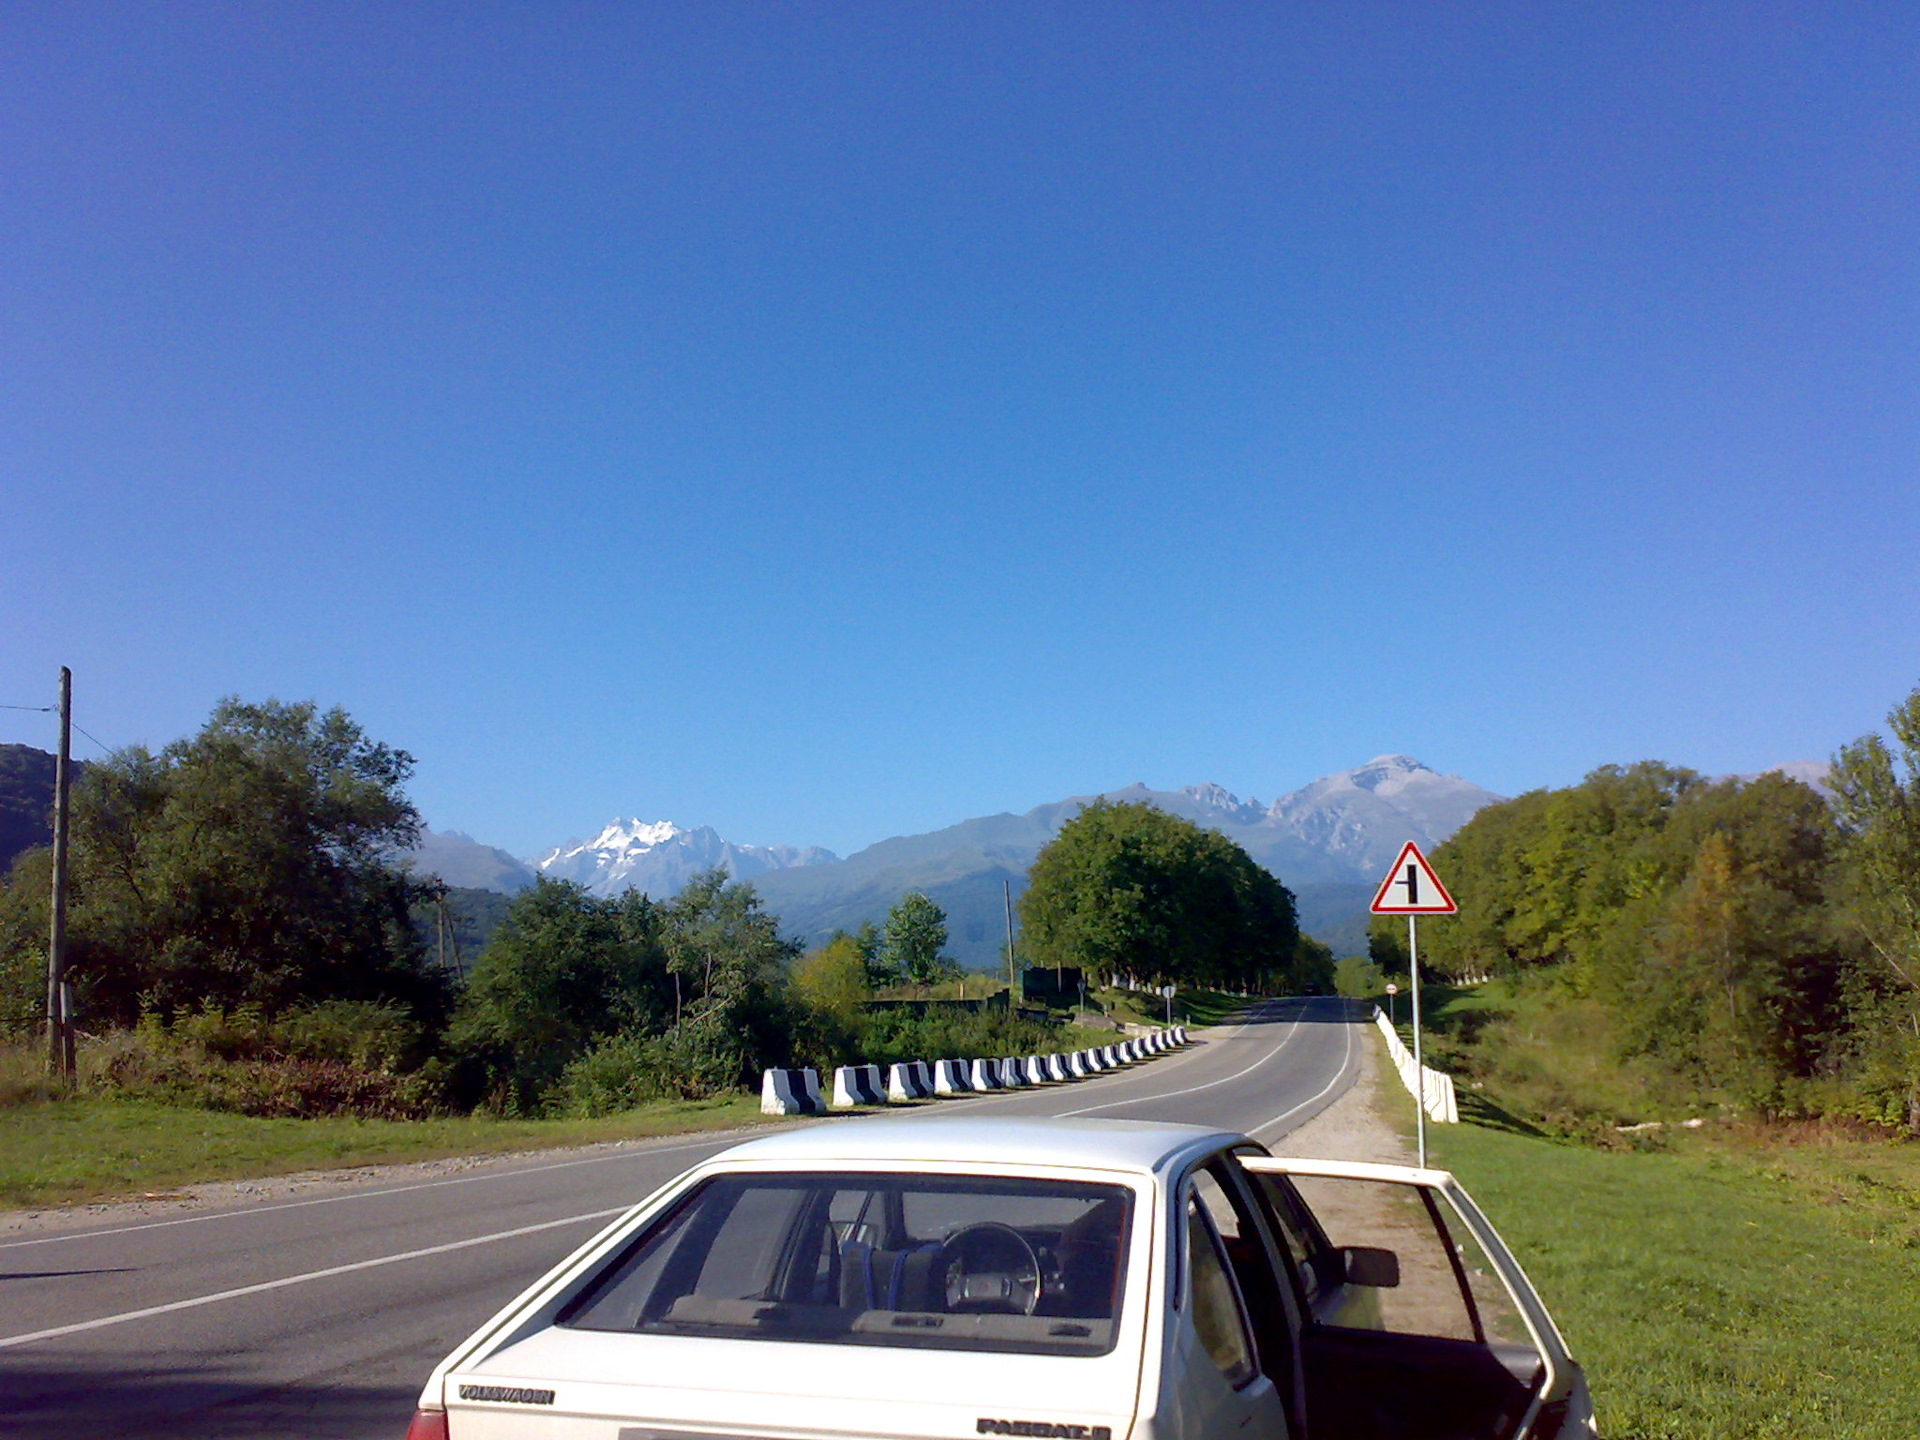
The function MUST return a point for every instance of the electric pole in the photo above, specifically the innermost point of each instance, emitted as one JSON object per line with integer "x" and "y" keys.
{"x": 1013, "y": 981}
{"x": 59, "y": 1016}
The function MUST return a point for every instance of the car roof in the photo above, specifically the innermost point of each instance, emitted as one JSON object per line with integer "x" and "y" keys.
{"x": 1140, "y": 1146}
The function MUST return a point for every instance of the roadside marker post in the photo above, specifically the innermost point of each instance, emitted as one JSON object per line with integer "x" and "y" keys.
{"x": 1424, "y": 895}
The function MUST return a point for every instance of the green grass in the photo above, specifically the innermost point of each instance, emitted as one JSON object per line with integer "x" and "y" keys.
{"x": 1714, "y": 1292}
{"x": 1731, "y": 1281}
{"x": 88, "y": 1148}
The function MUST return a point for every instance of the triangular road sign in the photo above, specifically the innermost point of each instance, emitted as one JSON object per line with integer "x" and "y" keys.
{"x": 1411, "y": 888}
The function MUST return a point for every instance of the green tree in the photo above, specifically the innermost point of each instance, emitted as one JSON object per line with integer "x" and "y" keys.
{"x": 913, "y": 939}
{"x": 1387, "y": 945}
{"x": 1314, "y": 970}
{"x": 250, "y": 864}
{"x": 834, "y": 979}
{"x": 730, "y": 971}
{"x": 1876, "y": 789}
{"x": 564, "y": 970}
{"x": 870, "y": 943}
{"x": 1129, "y": 890}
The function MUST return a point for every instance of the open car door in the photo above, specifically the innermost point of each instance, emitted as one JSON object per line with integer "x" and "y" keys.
{"x": 1420, "y": 1324}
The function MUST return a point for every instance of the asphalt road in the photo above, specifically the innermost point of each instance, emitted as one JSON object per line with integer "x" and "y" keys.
{"x": 320, "y": 1317}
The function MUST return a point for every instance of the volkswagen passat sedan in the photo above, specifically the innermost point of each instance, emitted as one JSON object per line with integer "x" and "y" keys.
{"x": 945, "y": 1277}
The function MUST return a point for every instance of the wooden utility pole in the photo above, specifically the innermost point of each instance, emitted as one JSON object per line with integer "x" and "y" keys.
{"x": 1013, "y": 980}
{"x": 59, "y": 1016}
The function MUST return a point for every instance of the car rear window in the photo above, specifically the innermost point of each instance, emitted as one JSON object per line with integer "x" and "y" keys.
{"x": 929, "y": 1261}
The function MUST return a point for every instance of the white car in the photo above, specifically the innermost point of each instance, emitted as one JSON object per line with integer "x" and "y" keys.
{"x": 939, "y": 1278}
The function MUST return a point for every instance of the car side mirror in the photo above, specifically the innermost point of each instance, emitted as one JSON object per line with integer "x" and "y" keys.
{"x": 1369, "y": 1266}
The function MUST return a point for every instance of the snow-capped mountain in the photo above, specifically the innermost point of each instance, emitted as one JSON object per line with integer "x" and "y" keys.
{"x": 1363, "y": 816}
{"x": 660, "y": 857}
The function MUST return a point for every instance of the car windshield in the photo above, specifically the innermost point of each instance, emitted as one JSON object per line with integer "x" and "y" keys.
{"x": 943, "y": 1261}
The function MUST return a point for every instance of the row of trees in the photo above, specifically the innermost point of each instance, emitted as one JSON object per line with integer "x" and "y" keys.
{"x": 238, "y": 889}
{"x": 1749, "y": 935}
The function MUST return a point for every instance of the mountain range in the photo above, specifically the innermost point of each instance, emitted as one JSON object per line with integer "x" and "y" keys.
{"x": 1329, "y": 842}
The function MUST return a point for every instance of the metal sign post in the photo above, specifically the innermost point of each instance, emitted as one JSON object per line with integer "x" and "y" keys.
{"x": 1419, "y": 1066}
{"x": 1424, "y": 895}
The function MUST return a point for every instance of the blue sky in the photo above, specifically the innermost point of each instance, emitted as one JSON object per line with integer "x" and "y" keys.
{"x": 832, "y": 421}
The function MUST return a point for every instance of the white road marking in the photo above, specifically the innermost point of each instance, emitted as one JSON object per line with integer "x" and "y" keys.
{"x": 1345, "y": 1060}
{"x": 8, "y": 1342}
{"x": 368, "y": 1194}
{"x": 1195, "y": 1089}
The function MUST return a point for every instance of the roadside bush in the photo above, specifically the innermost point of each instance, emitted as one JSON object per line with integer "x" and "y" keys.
{"x": 690, "y": 1061}
{"x": 885, "y": 1037}
{"x": 146, "y": 1064}
{"x": 23, "y": 1076}
{"x": 364, "y": 1034}
{"x": 619, "y": 1073}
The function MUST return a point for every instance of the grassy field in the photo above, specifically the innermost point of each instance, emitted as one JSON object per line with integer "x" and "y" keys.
{"x": 84, "y": 1148}
{"x": 66, "y": 1150}
{"x": 1718, "y": 1292}
{"x": 1719, "y": 1283}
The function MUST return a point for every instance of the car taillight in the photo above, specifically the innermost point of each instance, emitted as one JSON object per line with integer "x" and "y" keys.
{"x": 428, "y": 1425}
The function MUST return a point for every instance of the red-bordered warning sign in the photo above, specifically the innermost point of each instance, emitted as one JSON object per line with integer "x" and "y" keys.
{"x": 1411, "y": 888}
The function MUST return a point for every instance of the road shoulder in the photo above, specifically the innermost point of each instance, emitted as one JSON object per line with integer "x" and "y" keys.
{"x": 1355, "y": 1126}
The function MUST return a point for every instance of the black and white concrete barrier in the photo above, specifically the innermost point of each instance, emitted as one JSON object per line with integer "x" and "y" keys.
{"x": 1057, "y": 1068}
{"x": 952, "y": 1077}
{"x": 857, "y": 1085}
{"x": 1033, "y": 1070}
{"x": 790, "y": 1092}
{"x": 1010, "y": 1076}
{"x": 986, "y": 1075}
{"x": 905, "y": 1081}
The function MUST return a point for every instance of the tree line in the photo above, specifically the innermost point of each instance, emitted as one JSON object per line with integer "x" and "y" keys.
{"x": 239, "y": 930}
{"x": 1754, "y": 937}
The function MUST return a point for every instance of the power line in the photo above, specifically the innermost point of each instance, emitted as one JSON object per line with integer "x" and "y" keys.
{"x": 104, "y": 750}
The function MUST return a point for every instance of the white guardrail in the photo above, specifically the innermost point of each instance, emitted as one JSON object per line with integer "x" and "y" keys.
{"x": 799, "y": 1092}
{"x": 1433, "y": 1088}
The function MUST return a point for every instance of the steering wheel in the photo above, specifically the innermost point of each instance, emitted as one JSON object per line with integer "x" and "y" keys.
{"x": 989, "y": 1267}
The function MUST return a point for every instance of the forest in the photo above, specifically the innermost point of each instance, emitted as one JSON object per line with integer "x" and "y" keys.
{"x": 1756, "y": 941}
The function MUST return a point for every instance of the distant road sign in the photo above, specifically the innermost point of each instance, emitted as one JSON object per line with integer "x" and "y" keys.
{"x": 1419, "y": 889}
